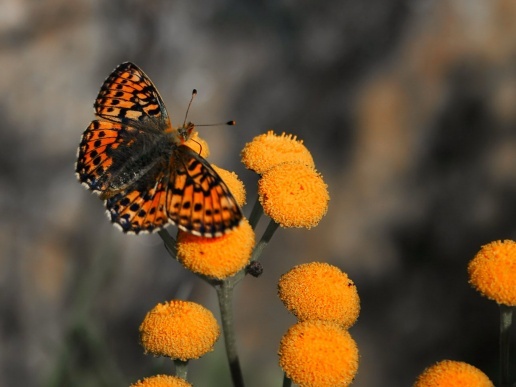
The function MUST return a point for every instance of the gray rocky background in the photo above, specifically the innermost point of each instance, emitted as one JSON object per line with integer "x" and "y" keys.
{"x": 408, "y": 107}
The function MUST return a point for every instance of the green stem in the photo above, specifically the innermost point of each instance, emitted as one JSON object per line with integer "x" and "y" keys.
{"x": 266, "y": 238}
{"x": 286, "y": 381}
{"x": 256, "y": 213}
{"x": 225, "y": 296}
{"x": 181, "y": 368}
{"x": 505, "y": 326}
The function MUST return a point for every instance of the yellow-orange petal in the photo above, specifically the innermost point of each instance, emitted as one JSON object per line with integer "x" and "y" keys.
{"x": 198, "y": 145}
{"x": 235, "y": 185}
{"x": 161, "y": 381}
{"x": 318, "y": 354}
{"x": 267, "y": 150}
{"x": 449, "y": 373}
{"x": 493, "y": 272}
{"x": 217, "y": 257}
{"x": 293, "y": 195}
{"x": 320, "y": 291}
{"x": 179, "y": 329}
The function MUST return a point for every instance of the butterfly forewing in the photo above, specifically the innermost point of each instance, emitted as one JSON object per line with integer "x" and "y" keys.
{"x": 128, "y": 94}
{"x": 94, "y": 159}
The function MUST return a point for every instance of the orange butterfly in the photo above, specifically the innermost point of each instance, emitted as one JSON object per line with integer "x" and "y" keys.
{"x": 140, "y": 166}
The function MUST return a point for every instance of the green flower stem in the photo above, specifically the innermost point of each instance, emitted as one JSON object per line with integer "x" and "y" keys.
{"x": 286, "y": 381}
{"x": 266, "y": 238}
{"x": 225, "y": 296}
{"x": 256, "y": 213}
{"x": 181, "y": 368}
{"x": 505, "y": 327}
{"x": 257, "y": 252}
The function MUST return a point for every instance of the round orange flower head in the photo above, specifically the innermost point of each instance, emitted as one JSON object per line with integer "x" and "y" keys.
{"x": 293, "y": 195}
{"x": 161, "y": 381}
{"x": 319, "y": 291}
{"x": 234, "y": 184}
{"x": 219, "y": 257}
{"x": 197, "y": 144}
{"x": 318, "y": 354}
{"x": 493, "y": 272}
{"x": 267, "y": 150}
{"x": 180, "y": 330}
{"x": 449, "y": 373}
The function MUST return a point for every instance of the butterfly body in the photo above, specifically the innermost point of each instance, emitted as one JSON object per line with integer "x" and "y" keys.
{"x": 139, "y": 164}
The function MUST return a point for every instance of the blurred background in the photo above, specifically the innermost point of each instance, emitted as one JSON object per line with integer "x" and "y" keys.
{"x": 409, "y": 110}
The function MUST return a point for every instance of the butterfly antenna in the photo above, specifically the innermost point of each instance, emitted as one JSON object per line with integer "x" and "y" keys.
{"x": 194, "y": 93}
{"x": 230, "y": 123}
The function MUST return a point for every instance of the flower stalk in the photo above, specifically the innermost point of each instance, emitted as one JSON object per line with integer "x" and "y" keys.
{"x": 181, "y": 368}
{"x": 225, "y": 297}
{"x": 286, "y": 381}
{"x": 506, "y": 313}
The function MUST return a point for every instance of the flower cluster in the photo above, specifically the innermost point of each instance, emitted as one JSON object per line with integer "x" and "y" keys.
{"x": 320, "y": 291}
{"x": 217, "y": 257}
{"x": 162, "y": 381}
{"x": 179, "y": 329}
{"x": 493, "y": 272}
{"x": 319, "y": 351}
{"x": 452, "y": 373}
{"x": 290, "y": 190}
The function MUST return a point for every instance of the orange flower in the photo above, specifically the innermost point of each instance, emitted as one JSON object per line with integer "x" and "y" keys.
{"x": 197, "y": 144}
{"x": 217, "y": 257}
{"x": 493, "y": 272}
{"x": 293, "y": 195}
{"x": 235, "y": 185}
{"x": 267, "y": 150}
{"x": 161, "y": 381}
{"x": 179, "y": 329}
{"x": 318, "y": 354}
{"x": 448, "y": 373}
{"x": 319, "y": 291}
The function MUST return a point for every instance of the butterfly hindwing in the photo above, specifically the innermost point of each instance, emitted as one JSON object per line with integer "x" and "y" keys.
{"x": 198, "y": 200}
{"x": 140, "y": 208}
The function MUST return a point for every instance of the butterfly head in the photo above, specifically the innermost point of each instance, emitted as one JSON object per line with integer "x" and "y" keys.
{"x": 185, "y": 131}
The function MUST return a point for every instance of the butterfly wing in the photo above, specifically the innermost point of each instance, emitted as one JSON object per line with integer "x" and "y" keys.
{"x": 198, "y": 200}
{"x": 114, "y": 151}
{"x": 188, "y": 193}
{"x": 129, "y": 96}
{"x": 141, "y": 208}
{"x": 130, "y": 157}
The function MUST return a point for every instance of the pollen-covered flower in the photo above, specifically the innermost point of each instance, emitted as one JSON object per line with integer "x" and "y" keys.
{"x": 449, "y": 373}
{"x": 235, "y": 185}
{"x": 179, "y": 329}
{"x": 161, "y": 381}
{"x": 198, "y": 145}
{"x": 217, "y": 257}
{"x": 318, "y": 354}
{"x": 267, "y": 150}
{"x": 319, "y": 291}
{"x": 293, "y": 195}
{"x": 493, "y": 272}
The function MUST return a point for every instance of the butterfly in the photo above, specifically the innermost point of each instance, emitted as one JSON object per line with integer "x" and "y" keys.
{"x": 140, "y": 166}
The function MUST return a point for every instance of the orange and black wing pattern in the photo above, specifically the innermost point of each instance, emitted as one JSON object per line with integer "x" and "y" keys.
{"x": 132, "y": 158}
